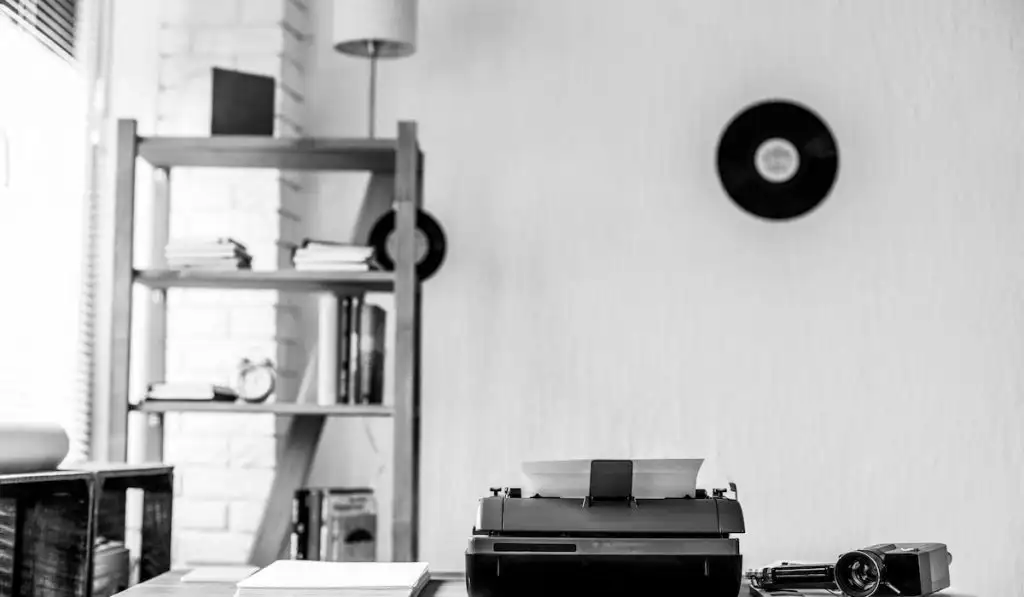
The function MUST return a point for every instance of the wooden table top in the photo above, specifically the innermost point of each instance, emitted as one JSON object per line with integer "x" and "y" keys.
{"x": 442, "y": 584}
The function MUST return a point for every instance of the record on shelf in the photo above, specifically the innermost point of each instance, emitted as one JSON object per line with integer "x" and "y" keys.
{"x": 777, "y": 160}
{"x": 431, "y": 244}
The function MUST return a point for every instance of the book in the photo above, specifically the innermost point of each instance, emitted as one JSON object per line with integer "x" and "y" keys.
{"x": 190, "y": 391}
{"x": 344, "y": 348}
{"x": 362, "y": 331}
{"x": 331, "y": 256}
{"x": 205, "y": 243}
{"x": 371, "y": 355}
{"x": 307, "y": 578}
{"x": 353, "y": 385}
{"x": 214, "y": 265}
{"x": 331, "y": 267}
{"x": 334, "y": 525}
{"x": 217, "y": 253}
{"x": 351, "y": 254}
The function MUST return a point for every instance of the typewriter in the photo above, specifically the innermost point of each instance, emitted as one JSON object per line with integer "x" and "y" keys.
{"x": 606, "y": 542}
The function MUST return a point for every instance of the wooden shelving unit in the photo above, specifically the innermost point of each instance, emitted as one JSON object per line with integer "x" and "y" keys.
{"x": 396, "y": 183}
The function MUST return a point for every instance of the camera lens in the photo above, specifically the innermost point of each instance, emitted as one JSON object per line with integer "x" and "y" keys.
{"x": 859, "y": 573}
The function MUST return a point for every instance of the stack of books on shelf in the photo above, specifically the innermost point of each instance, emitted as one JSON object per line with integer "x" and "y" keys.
{"x": 207, "y": 254}
{"x": 319, "y": 255}
{"x": 301, "y": 578}
{"x": 361, "y": 351}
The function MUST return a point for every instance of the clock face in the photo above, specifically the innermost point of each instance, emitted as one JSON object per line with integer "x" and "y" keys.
{"x": 256, "y": 382}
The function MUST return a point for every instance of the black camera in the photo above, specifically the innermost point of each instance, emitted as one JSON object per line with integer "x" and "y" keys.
{"x": 905, "y": 569}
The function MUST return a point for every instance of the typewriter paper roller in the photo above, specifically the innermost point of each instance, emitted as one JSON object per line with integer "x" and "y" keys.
{"x": 652, "y": 478}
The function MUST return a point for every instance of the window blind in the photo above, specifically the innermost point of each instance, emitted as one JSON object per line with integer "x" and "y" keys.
{"x": 51, "y": 22}
{"x": 43, "y": 137}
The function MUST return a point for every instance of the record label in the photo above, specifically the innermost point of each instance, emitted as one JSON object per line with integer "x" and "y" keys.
{"x": 777, "y": 160}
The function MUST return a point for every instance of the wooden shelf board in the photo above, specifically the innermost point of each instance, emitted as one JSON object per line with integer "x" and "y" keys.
{"x": 373, "y": 155}
{"x": 284, "y": 280}
{"x": 336, "y": 410}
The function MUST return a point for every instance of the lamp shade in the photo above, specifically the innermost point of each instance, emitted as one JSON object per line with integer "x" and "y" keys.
{"x": 389, "y": 24}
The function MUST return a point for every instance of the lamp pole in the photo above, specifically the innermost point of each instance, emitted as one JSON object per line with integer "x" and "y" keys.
{"x": 372, "y": 49}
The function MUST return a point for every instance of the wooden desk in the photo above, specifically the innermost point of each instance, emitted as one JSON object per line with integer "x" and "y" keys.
{"x": 443, "y": 584}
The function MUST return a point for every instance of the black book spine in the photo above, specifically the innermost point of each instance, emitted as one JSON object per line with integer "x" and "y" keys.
{"x": 344, "y": 349}
{"x": 355, "y": 341}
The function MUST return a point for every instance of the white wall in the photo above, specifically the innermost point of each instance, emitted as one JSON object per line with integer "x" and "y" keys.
{"x": 857, "y": 372}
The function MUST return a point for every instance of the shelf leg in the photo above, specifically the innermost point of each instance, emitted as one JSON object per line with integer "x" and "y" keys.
{"x": 405, "y": 523}
{"x": 110, "y": 417}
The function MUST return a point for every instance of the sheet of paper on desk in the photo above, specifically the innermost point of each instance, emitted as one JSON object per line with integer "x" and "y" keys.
{"x": 218, "y": 573}
{"x": 652, "y": 478}
{"x": 301, "y": 578}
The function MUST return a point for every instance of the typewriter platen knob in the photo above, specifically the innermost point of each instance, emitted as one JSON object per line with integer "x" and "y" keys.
{"x": 721, "y": 493}
{"x": 495, "y": 491}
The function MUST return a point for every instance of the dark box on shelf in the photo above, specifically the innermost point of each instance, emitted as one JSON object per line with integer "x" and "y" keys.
{"x": 243, "y": 103}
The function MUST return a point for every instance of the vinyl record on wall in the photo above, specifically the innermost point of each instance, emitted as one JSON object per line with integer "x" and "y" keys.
{"x": 431, "y": 243}
{"x": 777, "y": 160}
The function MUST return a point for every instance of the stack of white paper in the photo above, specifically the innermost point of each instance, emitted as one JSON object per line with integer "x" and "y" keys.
{"x": 652, "y": 478}
{"x": 301, "y": 578}
{"x": 218, "y": 573}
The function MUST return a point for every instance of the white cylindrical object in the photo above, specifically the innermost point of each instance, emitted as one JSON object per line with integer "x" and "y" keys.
{"x": 390, "y": 24}
{"x": 327, "y": 351}
{"x": 31, "y": 447}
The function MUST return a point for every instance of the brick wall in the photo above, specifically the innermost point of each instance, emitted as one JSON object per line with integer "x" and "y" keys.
{"x": 225, "y": 463}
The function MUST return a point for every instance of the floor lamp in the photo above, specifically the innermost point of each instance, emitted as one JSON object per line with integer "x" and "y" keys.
{"x": 375, "y": 29}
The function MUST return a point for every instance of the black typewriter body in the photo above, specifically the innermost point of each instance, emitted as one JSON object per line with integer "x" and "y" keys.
{"x": 605, "y": 544}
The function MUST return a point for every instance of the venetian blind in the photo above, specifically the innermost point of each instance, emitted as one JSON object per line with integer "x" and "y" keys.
{"x": 51, "y": 22}
{"x": 43, "y": 231}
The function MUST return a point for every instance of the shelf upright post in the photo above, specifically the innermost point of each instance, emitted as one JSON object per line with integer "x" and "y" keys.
{"x": 151, "y": 438}
{"x": 110, "y": 434}
{"x": 405, "y": 518}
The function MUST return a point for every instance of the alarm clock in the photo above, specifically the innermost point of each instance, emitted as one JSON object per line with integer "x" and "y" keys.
{"x": 256, "y": 380}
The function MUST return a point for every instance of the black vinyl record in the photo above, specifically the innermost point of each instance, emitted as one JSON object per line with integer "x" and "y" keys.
{"x": 431, "y": 244}
{"x": 777, "y": 160}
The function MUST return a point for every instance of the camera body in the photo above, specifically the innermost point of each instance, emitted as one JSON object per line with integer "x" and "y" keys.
{"x": 889, "y": 569}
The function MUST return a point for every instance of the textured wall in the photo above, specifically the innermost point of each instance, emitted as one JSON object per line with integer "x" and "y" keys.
{"x": 858, "y": 373}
